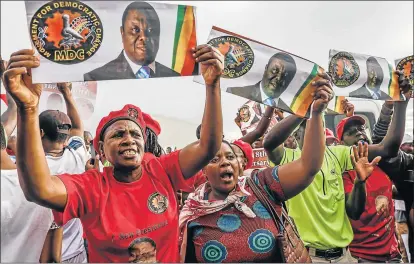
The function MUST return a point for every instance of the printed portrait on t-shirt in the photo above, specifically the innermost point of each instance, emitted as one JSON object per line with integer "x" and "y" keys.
{"x": 142, "y": 250}
{"x": 382, "y": 205}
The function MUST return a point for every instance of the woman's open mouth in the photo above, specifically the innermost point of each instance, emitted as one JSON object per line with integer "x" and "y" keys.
{"x": 227, "y": 176}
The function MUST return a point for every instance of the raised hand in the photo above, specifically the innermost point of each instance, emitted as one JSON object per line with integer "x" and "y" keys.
{"x": 211, "y": 63}
{"x": 323, "y": 94}
{"x": 65, "y": 87}
{"x": 360, "y": 161}
{"x": 348, "y": 108}
{"x": 18, "y": 79}
{"x": 404, "y": 85}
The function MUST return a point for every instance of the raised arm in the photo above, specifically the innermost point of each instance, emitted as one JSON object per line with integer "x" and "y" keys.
{"x": 33, "y": 171}
{"x": 297, "y": 175}
{"x": 274, "y": 140}
{"x": 384, "y": 120}
{"x": 197, "y": 155}
{"x": 390, "y": 144}
{"x": 356, "y": 199}
{"x": 261, "y": 128}
{"x": 77, "y": 128}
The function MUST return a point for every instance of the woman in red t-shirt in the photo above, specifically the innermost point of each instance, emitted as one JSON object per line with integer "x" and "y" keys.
{"x": 223, "y": 220}
{"x": 129, "y": 211}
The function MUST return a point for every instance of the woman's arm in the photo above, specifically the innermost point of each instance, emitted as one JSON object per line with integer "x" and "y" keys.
{"x": 196, "y": 155}
{"x": 297, "y": 175}
{"x": 34, "y": 176}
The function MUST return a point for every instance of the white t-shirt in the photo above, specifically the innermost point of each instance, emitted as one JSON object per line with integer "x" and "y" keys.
{"x": 72, "y": 161}
{"x": 24, "y": 224}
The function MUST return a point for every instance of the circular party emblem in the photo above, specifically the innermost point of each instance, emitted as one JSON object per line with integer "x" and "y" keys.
{"x": 157, "y": 203}
{"x": 406, "y": 65}
{"x": 239, "y": 57}
{"x": 66, "y": 32}
{"x": 343, "y": 69}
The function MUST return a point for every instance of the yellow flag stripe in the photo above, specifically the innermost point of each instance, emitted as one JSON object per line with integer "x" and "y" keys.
{"x": 186, "y": 33}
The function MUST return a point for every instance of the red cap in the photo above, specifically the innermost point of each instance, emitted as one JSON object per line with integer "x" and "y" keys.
{"x": 330, "y": 134}
{"x": 342, "y": 124}
{"x": 152, "y": 124}
{"x": 128, "y": 112}
{"x": 247, "y": 150}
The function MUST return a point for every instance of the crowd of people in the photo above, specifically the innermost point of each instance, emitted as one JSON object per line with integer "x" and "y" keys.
{"x": 118, "y": 196}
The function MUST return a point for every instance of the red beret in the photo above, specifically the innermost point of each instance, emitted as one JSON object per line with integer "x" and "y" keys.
{"x": 152, "y": 124}
{"x": 343, "y": 122}
{"x": 128, "y": 112}
{"x": 247, "y": 150}
{"x": 330, "y": 134}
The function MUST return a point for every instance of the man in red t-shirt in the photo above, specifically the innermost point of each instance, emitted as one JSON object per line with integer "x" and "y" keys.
{"x": 374, "y": 224}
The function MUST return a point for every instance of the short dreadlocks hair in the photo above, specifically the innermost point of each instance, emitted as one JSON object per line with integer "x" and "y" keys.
{"x": 152, "y": 146}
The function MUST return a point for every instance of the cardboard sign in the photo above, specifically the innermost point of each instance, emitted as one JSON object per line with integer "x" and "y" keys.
{"x": 264, "y": 74}
{"x": 260, "y": 159}
{"x": 363, "y": 76}
{"x": 107, "y": 40}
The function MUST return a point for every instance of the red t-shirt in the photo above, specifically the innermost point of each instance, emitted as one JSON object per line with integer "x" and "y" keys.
{"x": 374, "y": 234}
{"x": 114, "y": 214}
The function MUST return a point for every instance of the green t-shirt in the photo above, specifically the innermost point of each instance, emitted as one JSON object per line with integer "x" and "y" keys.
{"x": 320, "y": 214}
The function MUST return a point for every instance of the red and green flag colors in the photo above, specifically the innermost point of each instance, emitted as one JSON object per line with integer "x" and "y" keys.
{"x": 185, "y": 38}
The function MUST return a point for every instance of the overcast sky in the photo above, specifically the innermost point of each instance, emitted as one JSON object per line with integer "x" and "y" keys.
{"x": 307, "y": 29}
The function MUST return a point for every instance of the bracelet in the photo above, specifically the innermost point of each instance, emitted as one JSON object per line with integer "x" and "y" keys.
{"x": 269, "y": 118}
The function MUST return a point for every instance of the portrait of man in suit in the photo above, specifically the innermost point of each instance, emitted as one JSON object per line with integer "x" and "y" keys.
{"x": 140, "y": 33}
{"x": 371, "y": 89}
{"x": 279, "y": 72}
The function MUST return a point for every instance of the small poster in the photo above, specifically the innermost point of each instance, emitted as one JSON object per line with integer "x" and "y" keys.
{"x": 84, "y": 94}
{"x": 363, "y": 76}
{"x": 111, "y": 40}
{"x": 249, "y": 115}
{"x": 264, "y": 74}
{"x": 406, "y": 65}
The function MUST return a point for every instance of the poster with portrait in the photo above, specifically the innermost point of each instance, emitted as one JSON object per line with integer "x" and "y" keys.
{"x": 84, "y": 94}
{"x": 363, "y": 76}
{"x": 264, "y": 74}
{"x": 111, "y": 40}
{"x": 406, "y": 65}
{"x": 249, "y": 115}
